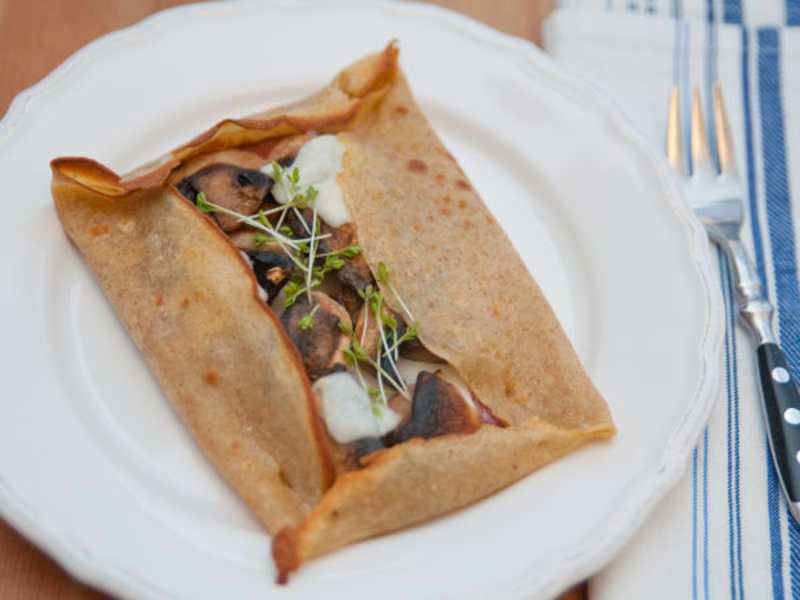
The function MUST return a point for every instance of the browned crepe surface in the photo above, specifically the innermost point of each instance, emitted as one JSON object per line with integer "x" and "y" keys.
{"x": 415, "y": 210}
{"x": 482, "y": 311}
{"x": 188, "y": 300}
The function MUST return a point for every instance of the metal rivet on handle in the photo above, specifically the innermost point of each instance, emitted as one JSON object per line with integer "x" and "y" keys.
{"x": 792, "y": 416}
{"x": 780, "y": 375}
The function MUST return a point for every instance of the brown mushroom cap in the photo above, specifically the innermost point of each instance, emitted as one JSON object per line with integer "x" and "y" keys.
{"x": 355, "y": 272}
{"x": 237, "y": 189}
{"x": 322, "y": 345}
{"x": 438, "y": 408}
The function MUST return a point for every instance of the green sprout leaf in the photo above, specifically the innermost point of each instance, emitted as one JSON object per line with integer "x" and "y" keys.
{"x": 307, "y": 322}
{"x": 349, "y": 357}
{"x": 360, "y": 352}
{"x": 352, "y": 251}
{"x": 383, "y": 273}
{"x": 333, "y": 263}
{"x": 389, "y": 321}
{"x": 203, "y": 204}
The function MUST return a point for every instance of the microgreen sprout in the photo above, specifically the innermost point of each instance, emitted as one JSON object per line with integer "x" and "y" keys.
{"x": 307, "y": 275}
{"x": 310, "y": 268}
{"x": 384, "y": 363}
{"x": 383, "y": 277}
{"x": 308, "y": 321}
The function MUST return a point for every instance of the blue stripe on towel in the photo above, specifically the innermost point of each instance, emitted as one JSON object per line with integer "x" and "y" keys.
{"x": 747, "y": 111}
{"x": 675, "y": 10}
{"x": 773, "y": 505}
{"x": 694, "y": 523}
{"x": 775, "y": 542}
{"x": 773, "y": 493}
{"x": 700, "y": 513}
{"x": 732, "y": 435}
{"x": 705, "y": 514}
{"x": 711, "y": 76}
{"x": 776, "y": 187}
{"x": 735, "y": 399}
{"x": 732, "y": 11}
{"x": 782, "y": 242}
{"x": 793, "y": 12}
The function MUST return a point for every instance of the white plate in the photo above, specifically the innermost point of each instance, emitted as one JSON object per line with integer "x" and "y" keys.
{"x": 96, "y": 468}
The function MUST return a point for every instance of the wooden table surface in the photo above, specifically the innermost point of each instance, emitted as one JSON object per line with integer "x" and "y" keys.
{"x": 35, "y": 37}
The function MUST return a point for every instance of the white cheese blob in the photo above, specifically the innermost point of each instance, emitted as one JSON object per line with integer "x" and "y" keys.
{"x": 347, "y": 409}
{"x": 319, "y": 162}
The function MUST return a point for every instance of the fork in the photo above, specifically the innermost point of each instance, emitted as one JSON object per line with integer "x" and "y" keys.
{"x": 716, "y": 198}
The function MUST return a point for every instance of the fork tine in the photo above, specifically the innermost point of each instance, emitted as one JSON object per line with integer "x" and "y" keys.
{"x": 701, "y": 157}
{"x": 727, "y": 158}
{"x": 675, "y": 150}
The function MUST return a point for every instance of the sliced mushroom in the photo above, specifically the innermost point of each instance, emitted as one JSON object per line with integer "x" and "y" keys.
{"x": 322, "y": 344}
{"x": 248, "y": 239}
{"x": 236, "y": 156}
{"x": 355, "y": 272}
{"x": 272, "y": 270}
{"x": 343, "y": 294}
{"x": 240, "y": 190}
{"x": 438, "y": 408}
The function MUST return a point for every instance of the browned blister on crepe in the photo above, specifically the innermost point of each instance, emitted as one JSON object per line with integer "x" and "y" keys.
{"x": 191, "y": 304}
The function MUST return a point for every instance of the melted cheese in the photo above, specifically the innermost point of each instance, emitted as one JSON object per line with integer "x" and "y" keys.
{"x": 347, "y": 409}
{"x": 319, "y": 162}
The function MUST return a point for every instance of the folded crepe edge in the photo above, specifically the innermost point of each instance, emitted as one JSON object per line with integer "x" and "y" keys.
{"x": 413, "y": 475}
{"x": 334, "y": 105}
{"x": 82, "y": 185}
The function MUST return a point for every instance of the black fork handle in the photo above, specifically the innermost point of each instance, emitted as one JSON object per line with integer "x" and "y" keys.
{"x": 781, "y": 404}
{"x": 780, "y": 400}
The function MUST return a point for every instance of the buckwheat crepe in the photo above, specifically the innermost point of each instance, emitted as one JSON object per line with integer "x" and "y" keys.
{"x": 191, "y": 303}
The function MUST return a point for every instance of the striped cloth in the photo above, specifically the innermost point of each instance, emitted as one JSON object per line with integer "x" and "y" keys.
{"x": 754, "y": 13}
{"x": 723, "y": 532}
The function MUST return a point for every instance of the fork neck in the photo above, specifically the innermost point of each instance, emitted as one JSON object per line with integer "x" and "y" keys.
{"x": 755, "y": 310}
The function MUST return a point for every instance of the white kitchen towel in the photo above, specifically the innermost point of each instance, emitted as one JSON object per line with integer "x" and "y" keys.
{"x": 723, "y": 532}
{"x": 752, "y": 12}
